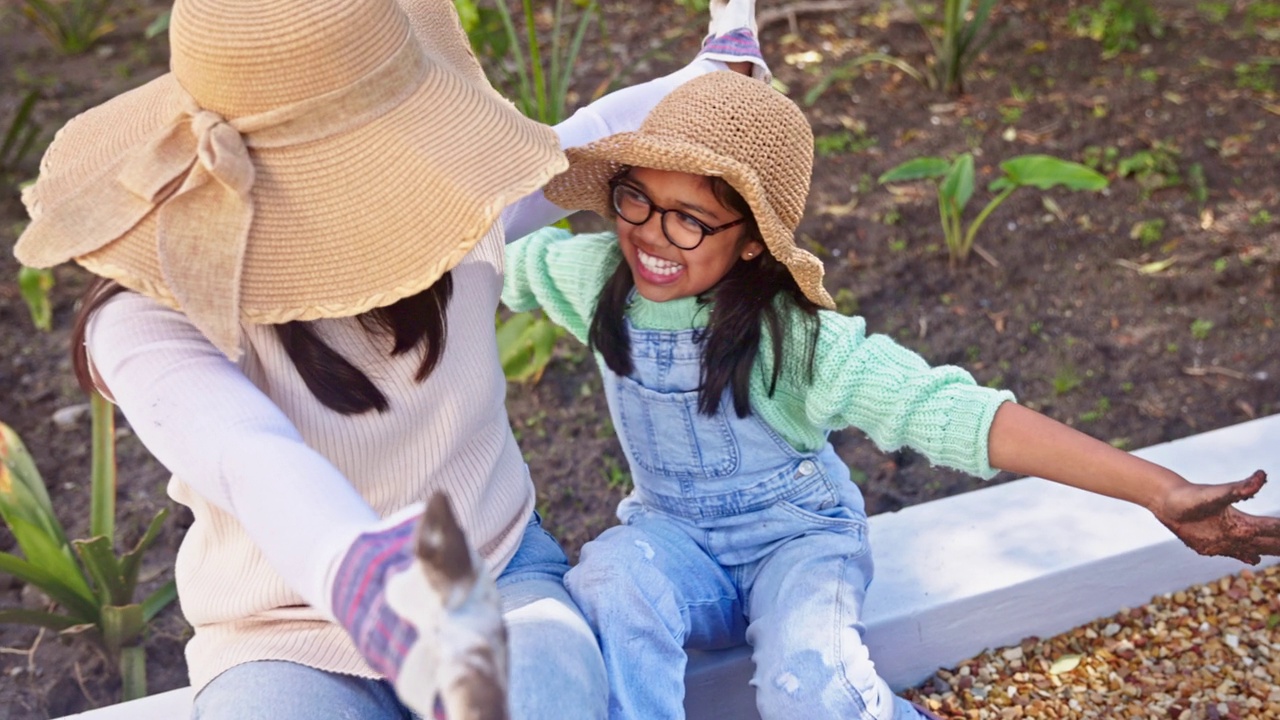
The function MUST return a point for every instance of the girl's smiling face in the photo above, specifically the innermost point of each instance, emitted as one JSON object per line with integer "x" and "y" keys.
{"x": 663, "y": 271}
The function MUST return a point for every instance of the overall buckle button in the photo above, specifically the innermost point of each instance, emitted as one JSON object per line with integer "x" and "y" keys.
{"x": 806, "y": 468}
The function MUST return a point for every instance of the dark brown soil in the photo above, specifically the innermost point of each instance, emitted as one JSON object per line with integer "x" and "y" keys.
{"x": 1062, "y": 316}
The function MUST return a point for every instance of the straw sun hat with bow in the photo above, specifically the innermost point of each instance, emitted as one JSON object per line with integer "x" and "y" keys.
{"x": 721, "y": 124}
{"x": 302, "y": 160}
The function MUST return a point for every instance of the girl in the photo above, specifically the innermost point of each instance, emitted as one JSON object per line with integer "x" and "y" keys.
{"x": 299, "y": 254}
{"x": 725, "y": 369}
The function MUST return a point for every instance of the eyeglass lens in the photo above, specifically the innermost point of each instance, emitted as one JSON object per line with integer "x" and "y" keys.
{"x": 635, "y": 207}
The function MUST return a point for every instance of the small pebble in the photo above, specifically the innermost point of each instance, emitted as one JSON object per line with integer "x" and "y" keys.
{"x": 68, "y": 417}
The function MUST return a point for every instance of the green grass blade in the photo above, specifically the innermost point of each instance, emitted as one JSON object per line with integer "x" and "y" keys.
{"x": 526, "y": 102}
{"x": 575, "y": 47}
{"x": 19, "y": 127}
{"x": 535, "y": 63}
{"x": 557, "y": 20}
{"x": 846, "y": 71}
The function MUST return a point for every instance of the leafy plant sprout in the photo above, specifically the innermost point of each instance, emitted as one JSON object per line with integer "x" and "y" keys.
{"x": 955, "y": 186}
{"x": 540, "y": 73}
{"x": 91, "y": 586}
{"x": 963, "y": 35}
{"x": 73, "y": 26}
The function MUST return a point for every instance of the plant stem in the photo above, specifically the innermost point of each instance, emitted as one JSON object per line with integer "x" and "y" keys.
{"x": 102, "y": 504}
{"x": 535, "y": 63}
{"x": 950, "y": 35}
{"x": 133, "y": 672}
{"x": 949, "y": 234}
{"x": 982, "y": 216}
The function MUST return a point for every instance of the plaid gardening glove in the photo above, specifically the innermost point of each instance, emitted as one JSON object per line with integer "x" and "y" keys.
{"x": 733, "y": 37}
{"x": 423, "y": 612}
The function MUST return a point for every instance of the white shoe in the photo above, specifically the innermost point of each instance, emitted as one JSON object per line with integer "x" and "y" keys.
{"x": 722, "y": 43}
{"x": 729, "y": 15}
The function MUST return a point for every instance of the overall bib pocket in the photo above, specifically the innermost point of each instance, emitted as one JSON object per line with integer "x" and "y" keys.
{"x": 666, "y": 434}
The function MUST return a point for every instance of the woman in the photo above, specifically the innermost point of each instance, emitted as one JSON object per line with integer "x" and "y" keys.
{"x": 296, "y": 231}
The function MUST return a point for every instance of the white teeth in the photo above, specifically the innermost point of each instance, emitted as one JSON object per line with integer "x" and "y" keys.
{"x": 657, "y": 265}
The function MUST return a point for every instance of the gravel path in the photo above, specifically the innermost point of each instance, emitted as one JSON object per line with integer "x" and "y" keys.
{"x": 1210, "y": 652}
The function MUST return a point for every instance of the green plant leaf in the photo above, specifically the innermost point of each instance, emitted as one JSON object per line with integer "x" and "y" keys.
{"x": 99, "y": 560}
{"x": 957, "y": 186}
{"x": 82, "y": 608}
{"x": 918, "y": 169}
{"x": 39, "y": 618}
{"x": 35, "y": 284}
{"x": 48, "y": 554}
{"x": 525, "y": 345}
{"x": 509, "y": 333}
{"x": 159, "y": 26}
{"x": 18, "y": 473}
{"x": 159, "y": 600}
{"x": 131, "y": 561}
{"x": 848, "y": 70}
{"x": 1046, "y": 171}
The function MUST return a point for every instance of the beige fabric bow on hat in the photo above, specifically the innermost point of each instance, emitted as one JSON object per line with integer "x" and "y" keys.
{"x": 336, "y": 157}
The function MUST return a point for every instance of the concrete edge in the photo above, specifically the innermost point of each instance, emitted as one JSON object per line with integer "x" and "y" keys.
{"x": 981, "y": 570}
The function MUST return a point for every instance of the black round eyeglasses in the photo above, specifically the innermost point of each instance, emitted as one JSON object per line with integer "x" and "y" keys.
{"x": 681, "y": 229}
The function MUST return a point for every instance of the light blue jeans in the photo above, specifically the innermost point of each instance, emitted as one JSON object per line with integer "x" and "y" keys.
{"x": 731, "y": 536}
{"x": 556, "y": 668}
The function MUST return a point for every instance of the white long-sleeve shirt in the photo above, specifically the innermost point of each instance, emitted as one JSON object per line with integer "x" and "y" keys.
{"x": 280, "y": 485}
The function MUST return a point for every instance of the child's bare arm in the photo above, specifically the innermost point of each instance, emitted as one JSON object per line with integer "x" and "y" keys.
{"x": 1025, "y": 442}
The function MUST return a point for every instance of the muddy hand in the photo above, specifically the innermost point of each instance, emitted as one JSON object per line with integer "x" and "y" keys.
{"x": 1202, "y": 516}
{"x": 473, "y": 644}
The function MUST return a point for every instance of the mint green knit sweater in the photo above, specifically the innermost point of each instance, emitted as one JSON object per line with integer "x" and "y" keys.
{"x": 867, "y": 382}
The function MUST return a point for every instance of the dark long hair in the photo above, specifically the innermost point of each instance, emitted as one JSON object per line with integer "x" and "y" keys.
{"x": 417, "y": 321}
{"x": 743, "y": 306}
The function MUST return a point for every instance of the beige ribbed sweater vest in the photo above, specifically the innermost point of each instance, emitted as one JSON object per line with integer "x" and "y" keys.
{"x": 448, "y": 433}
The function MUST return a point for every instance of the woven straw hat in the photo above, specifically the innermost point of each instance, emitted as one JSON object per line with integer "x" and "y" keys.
{"x": 302, "y": 160}
{"x": 719, "y": 124}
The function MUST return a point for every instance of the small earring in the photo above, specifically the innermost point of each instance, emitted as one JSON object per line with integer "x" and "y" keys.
{"x": 750, "y": 255}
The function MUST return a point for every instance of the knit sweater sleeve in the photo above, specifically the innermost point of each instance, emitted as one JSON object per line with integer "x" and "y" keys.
{"x": 881, "y": 388}
{"x": 560, "y": 273}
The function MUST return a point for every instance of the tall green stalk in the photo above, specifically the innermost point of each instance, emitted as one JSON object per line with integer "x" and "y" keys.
{"x": 102, "y": 502}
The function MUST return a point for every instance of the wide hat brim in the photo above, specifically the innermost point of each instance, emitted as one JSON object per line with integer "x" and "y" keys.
{"x": 585, "y": 186}
{"x": 343, "y": 224}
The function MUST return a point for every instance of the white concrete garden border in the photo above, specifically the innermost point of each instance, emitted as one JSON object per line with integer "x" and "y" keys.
{"x": 983, "y": 569}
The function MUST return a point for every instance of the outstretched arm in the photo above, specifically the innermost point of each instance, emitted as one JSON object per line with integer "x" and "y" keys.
{"x": 1025, "y": 442}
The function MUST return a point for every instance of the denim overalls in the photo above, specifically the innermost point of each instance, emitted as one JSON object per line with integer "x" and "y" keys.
{"x": 730, "y": 535}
